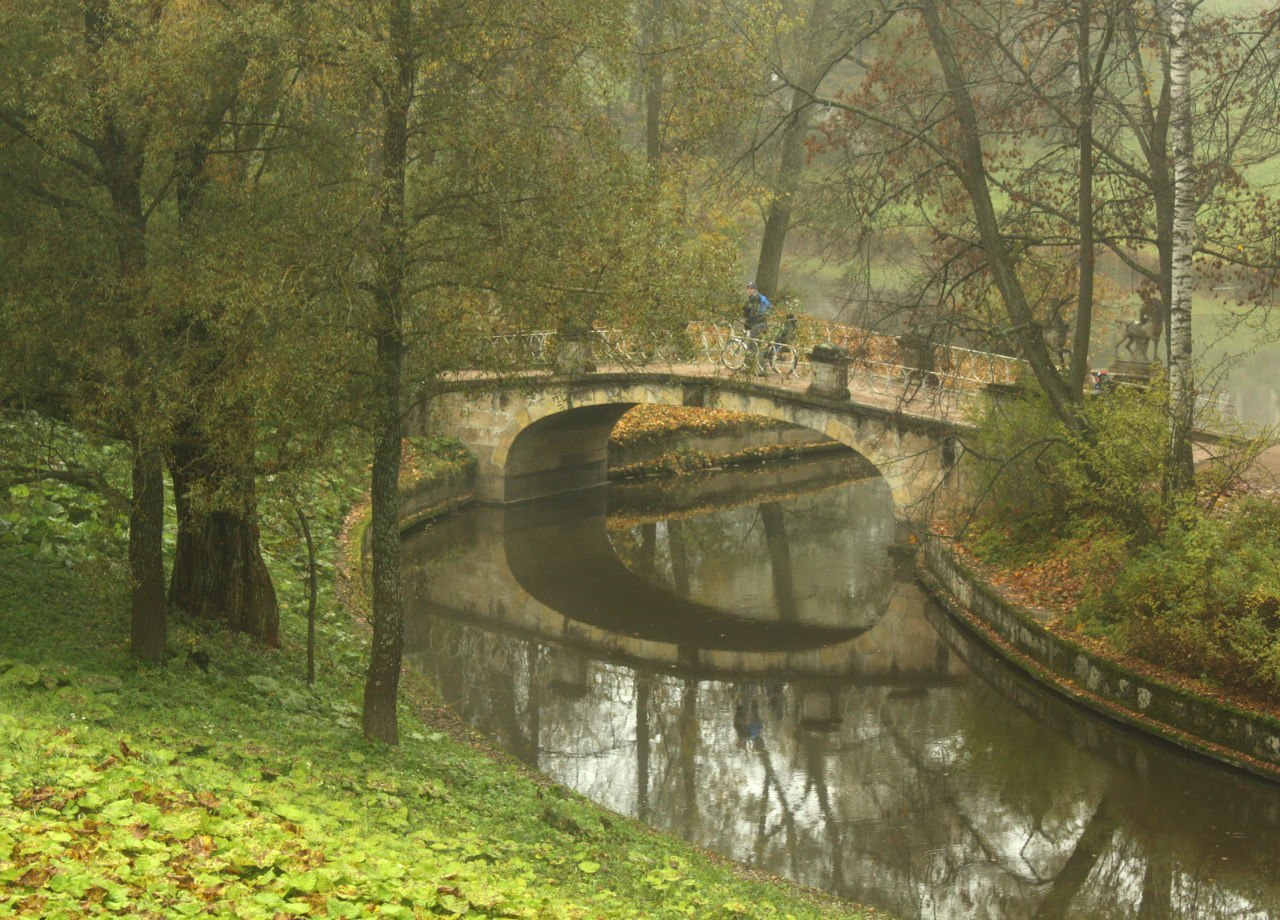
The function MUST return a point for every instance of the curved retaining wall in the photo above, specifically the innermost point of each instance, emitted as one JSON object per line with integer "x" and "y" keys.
{"x": 425, "y": 499}
{"x": 1225, "y": 733}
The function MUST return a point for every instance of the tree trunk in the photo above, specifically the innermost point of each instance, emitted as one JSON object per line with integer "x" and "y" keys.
{"x": 1084, "y": 296}
{"x": 1153, "y": 138}
{"x": 971, "y": 170}
{"x": 148, "y": 621}
{"x": 382, "y": 683}
{"x": 121, "y": 159}
{"x": 777, "y": 222}
{"x": 1181, "y": 384}
{"x": 218, "y": 569}
{"x": 312, "y": 588}
{"x": 652, "y": 74}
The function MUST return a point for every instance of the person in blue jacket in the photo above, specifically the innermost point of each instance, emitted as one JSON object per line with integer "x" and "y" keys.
{"x": 755, "y": 311}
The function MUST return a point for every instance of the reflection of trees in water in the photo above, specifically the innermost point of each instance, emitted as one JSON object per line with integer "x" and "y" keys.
{"x": 814, "y": 748}
{"x": 1151, "y": 840}
{"x": 1146, "y": 880}
{"x": 943, "y": 820}
{"x": 648, "y": 550}
{"x": 779, "y": 549}
{"x": 680, "y": 579}
{"x": 823, "y": 555}
{"x": 908, "y": 790}
{"x": 486, "y": 678}
{"x": 644, "y": 748}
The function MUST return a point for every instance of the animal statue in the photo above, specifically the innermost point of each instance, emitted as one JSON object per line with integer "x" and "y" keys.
{"x": 1135, "y": 336}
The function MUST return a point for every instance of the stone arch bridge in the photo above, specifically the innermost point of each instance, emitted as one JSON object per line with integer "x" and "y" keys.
{"x": 537, "y": 437}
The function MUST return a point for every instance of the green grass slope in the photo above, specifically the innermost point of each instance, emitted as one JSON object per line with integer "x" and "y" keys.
{"x": 225, "y": 787}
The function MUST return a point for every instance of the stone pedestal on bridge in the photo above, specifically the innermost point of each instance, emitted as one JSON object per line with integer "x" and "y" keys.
{"x": 830, "y": 372}
{"x": 574, "y": 354}
{"x": 1135, "y": 373}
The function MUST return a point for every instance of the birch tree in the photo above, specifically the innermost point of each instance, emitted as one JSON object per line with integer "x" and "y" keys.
{"x": 1181, "y": 384}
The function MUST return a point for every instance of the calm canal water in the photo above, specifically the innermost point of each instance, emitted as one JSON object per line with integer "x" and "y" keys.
{"x": 742, "y": 659}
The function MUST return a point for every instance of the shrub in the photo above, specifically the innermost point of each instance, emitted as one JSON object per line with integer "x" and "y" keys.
{"x": 1014, "y": 458}
{"x": 1171, "y": 579}
{"x": 1034, "y": 481}
{"x": 1204, "y": 599}
{"x": 1117, "y": 477}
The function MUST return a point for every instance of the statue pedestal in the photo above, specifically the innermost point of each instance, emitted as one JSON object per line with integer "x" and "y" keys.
{"x": 1135, "y": 373}
{"x": 830, "y": 372}
{"x": 574, "y": 354}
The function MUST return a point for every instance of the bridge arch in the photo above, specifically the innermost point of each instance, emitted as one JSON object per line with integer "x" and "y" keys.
{"x": 544, "y": 437}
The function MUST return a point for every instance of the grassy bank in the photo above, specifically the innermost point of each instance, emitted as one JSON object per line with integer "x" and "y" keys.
{"x": 223, "y": 786}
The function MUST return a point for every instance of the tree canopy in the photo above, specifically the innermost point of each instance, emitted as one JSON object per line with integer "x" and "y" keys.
{"x": 233, "y": 235}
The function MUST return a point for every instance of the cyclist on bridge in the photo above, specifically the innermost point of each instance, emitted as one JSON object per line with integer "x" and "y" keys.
{"x": 755, "y": 311}
{"x": 764, "y": 351}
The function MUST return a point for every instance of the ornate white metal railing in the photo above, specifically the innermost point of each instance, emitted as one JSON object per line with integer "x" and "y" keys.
{"x": 878, "y": 363}
{"x": 873, "y": 356}
{"x": 1217, "y": 407}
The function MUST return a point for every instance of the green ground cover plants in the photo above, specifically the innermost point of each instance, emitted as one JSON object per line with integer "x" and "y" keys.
{"x": 222, "y": 785}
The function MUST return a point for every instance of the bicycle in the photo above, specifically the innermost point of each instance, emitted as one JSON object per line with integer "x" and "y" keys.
{"x": 710, "y": 340}
{"x": 779, "y": 354}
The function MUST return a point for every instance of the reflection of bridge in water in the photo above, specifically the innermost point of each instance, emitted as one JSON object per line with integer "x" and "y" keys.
{"x": 875, "y": 766}
{"x": 554, "y": 573}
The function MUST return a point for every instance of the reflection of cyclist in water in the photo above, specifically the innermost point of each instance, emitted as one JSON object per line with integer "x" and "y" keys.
{"x": 748, "y": 727}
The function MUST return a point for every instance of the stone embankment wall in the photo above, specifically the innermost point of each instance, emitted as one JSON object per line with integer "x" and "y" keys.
{"x": 425, "y": 499}
{"x": 1245, "y": 739}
